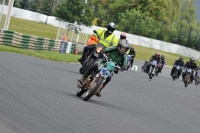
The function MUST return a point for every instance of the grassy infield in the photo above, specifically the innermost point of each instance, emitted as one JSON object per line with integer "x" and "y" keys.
{"x": 43, "y": 30}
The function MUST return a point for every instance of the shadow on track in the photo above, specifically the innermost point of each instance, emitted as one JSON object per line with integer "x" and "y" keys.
{"x": 92, "y": 101}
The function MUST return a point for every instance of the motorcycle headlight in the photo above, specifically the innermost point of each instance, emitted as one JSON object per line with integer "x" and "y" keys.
{"x": 110, "y": 66}
{"x": 99, "y": 49}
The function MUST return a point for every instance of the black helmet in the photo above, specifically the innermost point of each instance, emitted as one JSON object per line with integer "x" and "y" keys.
{"x": 111, "y": 27}
{"x": 132, "y": 47}
{"x": 123, "y": 43}
{"x": 181, "y": 58}
{"x": 192, "y": 59}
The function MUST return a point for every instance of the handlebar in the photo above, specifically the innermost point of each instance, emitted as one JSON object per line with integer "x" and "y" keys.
{"x": 117, "y": 66}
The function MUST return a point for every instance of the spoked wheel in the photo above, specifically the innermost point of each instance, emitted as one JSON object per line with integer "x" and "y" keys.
{"x": 90, "y": 92}
{"x": 187, "y": 80}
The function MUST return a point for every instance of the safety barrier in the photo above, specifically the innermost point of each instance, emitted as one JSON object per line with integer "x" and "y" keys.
{"x": 15, "y": 39}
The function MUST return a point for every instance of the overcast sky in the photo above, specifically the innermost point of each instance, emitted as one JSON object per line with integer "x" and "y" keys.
{"x": 198, "y": 9}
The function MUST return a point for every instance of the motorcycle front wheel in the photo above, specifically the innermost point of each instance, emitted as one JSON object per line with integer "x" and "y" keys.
{"x": 91, "y": 61}
{"x": 80, "y": 92}
{"x": 90, "y": 92}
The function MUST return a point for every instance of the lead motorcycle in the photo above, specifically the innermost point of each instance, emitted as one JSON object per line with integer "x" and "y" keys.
{"x": 94, "y": 82}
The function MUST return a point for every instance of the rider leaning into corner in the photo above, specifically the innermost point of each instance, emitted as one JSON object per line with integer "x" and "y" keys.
{"x": 190, "y": 65}
{"x": 106, "y": 37}
{"x": 162, "y": 62}
{"x": 155, "y": 57}
{"x": 133, "y": 53}
{"x": 117, "y": 54}
{"x": 179, "y": 63}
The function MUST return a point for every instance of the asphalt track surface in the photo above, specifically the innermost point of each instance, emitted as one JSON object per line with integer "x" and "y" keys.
{"x": 38, "y": 96}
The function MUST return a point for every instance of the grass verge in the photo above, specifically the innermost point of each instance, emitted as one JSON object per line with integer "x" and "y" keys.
{"x": 142, "y": 53}
{"x": 54, "y": 56}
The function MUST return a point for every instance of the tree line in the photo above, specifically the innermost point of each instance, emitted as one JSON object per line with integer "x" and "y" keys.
{"x": 172, "y": 21}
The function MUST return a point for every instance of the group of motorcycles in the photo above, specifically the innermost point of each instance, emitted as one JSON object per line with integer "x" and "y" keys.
{"x": 94, "y": 82}
{"x": 188, "y": 79}
{"x": 154, "y": 67}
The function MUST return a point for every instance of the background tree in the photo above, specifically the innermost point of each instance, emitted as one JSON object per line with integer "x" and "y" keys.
{"x": 45, "y": 6}
{"x": 169, "y": 20}
{"x": 72, "y": 11}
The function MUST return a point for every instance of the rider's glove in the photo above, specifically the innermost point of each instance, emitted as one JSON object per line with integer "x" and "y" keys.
{"x": 116, "y": 71}
{"x": 123, "y": 68}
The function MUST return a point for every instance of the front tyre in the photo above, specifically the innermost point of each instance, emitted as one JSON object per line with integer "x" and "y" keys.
{"x": 81, "y": 69}
{"x": 80, "y": 92}
{"x": 91, "y": 61}
{"x": 88, "y": 94}
{"x": 187, "y": 80}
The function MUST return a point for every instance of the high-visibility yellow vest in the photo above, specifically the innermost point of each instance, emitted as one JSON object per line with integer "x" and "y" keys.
{"x": 111, "y": 40}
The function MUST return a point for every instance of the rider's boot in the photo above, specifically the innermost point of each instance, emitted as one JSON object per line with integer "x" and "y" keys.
{"x": 84, "y": 55}
{"x": 81, "y": 80}
{"x": 99, "y": 93}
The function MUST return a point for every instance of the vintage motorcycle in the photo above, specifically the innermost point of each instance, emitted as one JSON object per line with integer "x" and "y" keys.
{"x": 158, "y": 68}
{"x": 94, "y": 82}
{"x": 144, "y": 67}
{"x": 94, "y": 56}
{"x": 152, "y": 70}
{"x": 129, "y": 58}
{"x": 187, "y": 79}
{"x": 175, "y": 73}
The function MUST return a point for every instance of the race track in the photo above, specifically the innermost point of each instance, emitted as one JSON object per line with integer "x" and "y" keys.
{"x": 38, "y": 96}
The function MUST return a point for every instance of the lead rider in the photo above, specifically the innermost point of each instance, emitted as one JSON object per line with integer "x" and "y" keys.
{"x": 117, "y": 54}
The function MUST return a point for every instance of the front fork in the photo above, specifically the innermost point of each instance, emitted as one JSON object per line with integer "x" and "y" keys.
{"x": 152, "y": 69}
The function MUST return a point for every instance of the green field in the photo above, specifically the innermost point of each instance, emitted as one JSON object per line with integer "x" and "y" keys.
{"x": 55, "y": 56}
{"x": 47, "y": 31}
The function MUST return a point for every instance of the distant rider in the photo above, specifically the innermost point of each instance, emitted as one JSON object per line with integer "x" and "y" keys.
{"x": 179, "y": 63}
{"x": 190, "y": 65}
{"x": 155, "y": 57}
{"x": 133, "y": 53}
{"x": 162, "y": 63}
